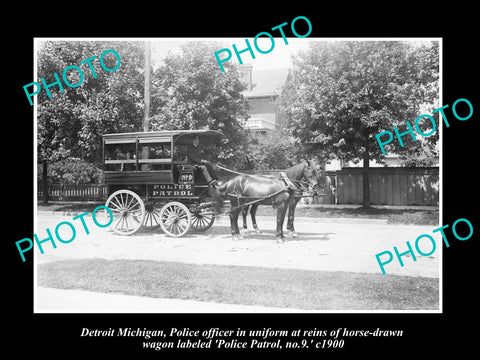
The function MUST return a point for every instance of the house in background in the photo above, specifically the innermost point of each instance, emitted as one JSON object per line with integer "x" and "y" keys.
{"x": 263, "y": 89}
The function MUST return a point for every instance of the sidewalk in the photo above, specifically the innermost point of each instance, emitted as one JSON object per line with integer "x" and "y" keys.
{"x": 50, "y": 300}
{"x": 350, "y": 206}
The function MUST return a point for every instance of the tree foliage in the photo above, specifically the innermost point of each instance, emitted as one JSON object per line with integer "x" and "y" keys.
{"x": 340, "y": 94}
{"x": 72, "y": 171}
{"x": 273, "y": 150}
{"x": 189, "y": 92}
{"x": 70, "y": 124}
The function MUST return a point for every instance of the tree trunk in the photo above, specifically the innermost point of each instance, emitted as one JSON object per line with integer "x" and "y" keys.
{"x": 146, "y": 97}
{"x": 366, "y": 178}
{"x": 44, "y": 182}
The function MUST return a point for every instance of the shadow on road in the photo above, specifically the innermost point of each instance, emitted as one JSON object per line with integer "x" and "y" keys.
{"x": 220, "y": 230}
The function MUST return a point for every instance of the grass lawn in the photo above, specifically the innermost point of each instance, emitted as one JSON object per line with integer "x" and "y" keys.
{"x": 300, "y": 289}
{"x": 393, "y": 216}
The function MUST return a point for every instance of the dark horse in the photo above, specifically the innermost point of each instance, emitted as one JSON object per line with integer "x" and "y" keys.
{"x": 296, "y": 176}
{"x": 279, "y": 193}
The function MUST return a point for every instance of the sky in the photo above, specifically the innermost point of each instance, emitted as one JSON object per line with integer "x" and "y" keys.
{"x": 278, "y": 58}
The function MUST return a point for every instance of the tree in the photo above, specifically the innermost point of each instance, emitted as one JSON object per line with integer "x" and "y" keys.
{"x": 189, "y": 92}
{"x": 339, "y": 95}
{"x": 273, "y": 150}
{"x": 70, "y": 124}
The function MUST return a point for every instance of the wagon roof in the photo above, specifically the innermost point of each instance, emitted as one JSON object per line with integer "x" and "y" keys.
{"x": 165, "y": 134}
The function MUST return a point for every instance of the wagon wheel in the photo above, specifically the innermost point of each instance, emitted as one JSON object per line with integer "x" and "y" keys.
{"x": 152, "y": 215}
{"x": 202, "y": 219}
{"x": 175, "y": 219}
{"x": 128, "y": 211}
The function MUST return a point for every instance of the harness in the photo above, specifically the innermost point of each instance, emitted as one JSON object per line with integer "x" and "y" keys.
{"x": 288, "y": 187}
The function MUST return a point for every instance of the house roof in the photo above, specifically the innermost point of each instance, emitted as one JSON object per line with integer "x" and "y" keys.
{"x": 267, "y": 82}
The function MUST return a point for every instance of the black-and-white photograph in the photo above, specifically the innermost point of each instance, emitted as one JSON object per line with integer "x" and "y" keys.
{"x": 233, "y": 175}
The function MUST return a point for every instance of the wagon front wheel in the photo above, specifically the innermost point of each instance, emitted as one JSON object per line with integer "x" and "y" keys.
{"x": 175, "y": 219}
{"x": 202, "y": 219}
{"x": 128, "y": 211}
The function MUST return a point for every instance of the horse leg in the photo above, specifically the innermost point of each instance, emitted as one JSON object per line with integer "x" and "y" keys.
{"x": 244, "y": 215}
{"x": 291, "y": 216}
{"x": 253, "y": 212}
{"x": 281, "y": 210}
{"x": 234, "y": 224}
{"x": 234, "y": 219}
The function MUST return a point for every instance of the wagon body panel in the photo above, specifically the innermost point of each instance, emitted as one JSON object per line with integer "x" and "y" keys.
{"x": 138, "y": 177}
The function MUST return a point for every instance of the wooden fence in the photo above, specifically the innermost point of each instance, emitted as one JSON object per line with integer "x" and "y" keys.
{"x": 390, "y": 186}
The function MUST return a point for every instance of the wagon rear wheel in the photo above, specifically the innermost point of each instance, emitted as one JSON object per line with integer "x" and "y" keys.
{"x": 128, "y": 212}
{"x": 202, "y": 219}
{"x": 175, "y": 219}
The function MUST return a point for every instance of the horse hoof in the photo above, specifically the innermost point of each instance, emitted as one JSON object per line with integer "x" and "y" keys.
{"x": 293, "y": 234}
{"x": 258, "y": 231}
{"x": 237, "y": 237}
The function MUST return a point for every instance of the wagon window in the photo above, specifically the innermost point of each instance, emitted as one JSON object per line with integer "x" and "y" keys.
{"x": 155, "y": 151}
{"x": 180, "y": 153}
{"x": 155, "y": 155}
{"x": 209, "y": 152}
{"x": 120, "y": 156}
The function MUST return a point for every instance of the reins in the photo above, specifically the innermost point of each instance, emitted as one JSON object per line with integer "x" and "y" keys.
{"x": 296, "y": 182}
{"x": 259, "y": 176}
{"x": 256, "y": 199}
{"x": 240, "y": 173}
{"x": 292, "y": 186}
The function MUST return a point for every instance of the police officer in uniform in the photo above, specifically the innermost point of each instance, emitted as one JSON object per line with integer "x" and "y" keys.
{"x": 195, "y": 155}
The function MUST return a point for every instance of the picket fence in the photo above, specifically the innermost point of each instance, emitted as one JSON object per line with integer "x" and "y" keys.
{"x": 82, "y": 192}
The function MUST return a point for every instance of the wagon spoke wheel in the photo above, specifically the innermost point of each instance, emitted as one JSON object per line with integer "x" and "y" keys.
{"x": 128, "y": 212}
{"x": 152, "y": 215}
{"x": 175, "y": 219}
{"x": 202, "y": 219}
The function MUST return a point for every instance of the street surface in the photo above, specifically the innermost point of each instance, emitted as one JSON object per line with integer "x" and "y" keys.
{"x": 336, "y": 245}
{"x": 323, "y": 244}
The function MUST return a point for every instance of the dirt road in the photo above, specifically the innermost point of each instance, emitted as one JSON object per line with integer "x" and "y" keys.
{"x": 323, "y": 244}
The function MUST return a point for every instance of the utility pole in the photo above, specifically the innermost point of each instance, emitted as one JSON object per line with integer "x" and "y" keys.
{"x": 146, "y": 118}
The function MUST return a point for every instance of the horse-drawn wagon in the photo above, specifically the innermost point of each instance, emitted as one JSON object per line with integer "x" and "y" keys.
{"x": 151, "y": 184}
